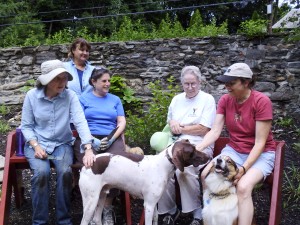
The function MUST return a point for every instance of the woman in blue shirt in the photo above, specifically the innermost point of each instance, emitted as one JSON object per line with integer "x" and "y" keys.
{"x": 79, "y": 67}
{"x": 45, "y": 123}
{"x": 104, "y": 112}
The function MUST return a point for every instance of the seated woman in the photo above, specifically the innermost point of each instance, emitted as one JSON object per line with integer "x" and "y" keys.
{"x": 190, "y": 116}
{"x": 45, "y": 123}
{"x": 104, "y": 112}
{"x": 247, "y": 115}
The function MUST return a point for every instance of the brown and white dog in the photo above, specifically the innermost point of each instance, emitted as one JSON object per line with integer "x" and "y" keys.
{"x": 219, "y": 198}
{"x": 142, "y": 176}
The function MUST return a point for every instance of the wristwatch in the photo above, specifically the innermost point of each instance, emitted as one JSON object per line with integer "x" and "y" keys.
{"x": 35, "y": 144}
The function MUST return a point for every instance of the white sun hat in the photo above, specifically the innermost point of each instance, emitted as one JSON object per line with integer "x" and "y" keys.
{"x": 50, "y": 69}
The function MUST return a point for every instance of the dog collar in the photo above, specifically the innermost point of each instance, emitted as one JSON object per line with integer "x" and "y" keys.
{"x": 169, "y": 157}
{"x": 219, "y": 196}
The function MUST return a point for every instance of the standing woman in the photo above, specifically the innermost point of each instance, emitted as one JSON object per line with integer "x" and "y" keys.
{"x": 79, "y": 67}
{"x": 46, "y": 114}
{"x": 104, "y": 112}
{"x": 247, "y": 115}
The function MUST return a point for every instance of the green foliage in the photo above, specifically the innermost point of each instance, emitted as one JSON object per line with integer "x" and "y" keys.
{"x": 126, "y": 94}
{"x": 253, "y": 28}
{"x": 291, "y": 186}
{"x": 60, "y": 37}
{"x": 296, "y": 146}
{"x": 4, "y": 127}
{"x": 294, "y": 35}
{"x": 130, "y": 31}
{"x": 4, "y": 110}
{"x": 141, "y": 125}
{"x": 284, "y": 122}
{"x": 29, "y": 85}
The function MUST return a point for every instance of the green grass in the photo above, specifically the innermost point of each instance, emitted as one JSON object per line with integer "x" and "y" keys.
{"x": 291, "y": 186}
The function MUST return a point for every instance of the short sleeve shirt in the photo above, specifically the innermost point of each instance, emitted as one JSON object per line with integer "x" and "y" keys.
{"x": 240, "y": 120}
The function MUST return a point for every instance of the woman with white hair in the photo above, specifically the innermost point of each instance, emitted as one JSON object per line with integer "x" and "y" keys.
{"x": 45, "y": 124}
{"x": 190, "y": 116}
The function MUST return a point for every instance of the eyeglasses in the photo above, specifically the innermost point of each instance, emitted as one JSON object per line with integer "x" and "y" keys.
{"x": 187, "y": 85}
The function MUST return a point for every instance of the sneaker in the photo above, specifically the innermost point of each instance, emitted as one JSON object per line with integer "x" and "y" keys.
{"x": 196, "y": 222}
{"x": 170, "y": 219}
{"x": 108, "y": 216}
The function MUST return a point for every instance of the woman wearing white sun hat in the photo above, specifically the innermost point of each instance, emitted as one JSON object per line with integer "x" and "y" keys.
{"x": 45, "y": 124}
{"x": 247, "y": 115}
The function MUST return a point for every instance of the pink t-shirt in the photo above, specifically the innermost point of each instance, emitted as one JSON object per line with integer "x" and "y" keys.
{"x": 240, "y": 120}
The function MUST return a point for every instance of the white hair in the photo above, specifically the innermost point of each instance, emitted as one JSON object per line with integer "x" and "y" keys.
{"x": 191, "y": 69}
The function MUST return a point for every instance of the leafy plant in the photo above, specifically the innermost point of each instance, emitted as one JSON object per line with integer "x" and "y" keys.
{"x": 125, "y": 93}
{"x": 141, "y": 125}
{"x": 4, "y": 110}
{"x": 253, "y": 28}
{"x": 296, "y": 146}
{"x": 29, "y": 85}
{"x": 4, "y": 127}
{"x": 284, "y": 122}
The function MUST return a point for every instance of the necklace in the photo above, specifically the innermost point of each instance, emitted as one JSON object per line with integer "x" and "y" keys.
{"x": 237, "y": 104}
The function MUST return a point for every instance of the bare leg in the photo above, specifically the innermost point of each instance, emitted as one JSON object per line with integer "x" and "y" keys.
{"x": 244, "y": 192}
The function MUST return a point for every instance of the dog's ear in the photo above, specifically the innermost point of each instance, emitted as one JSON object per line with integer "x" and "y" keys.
{"x": 177, "y": 158}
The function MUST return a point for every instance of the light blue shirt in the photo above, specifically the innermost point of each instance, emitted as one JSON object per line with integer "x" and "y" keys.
{"x": 101, "y": 112}
{"x": 75, "y": 83}
{"x": 48, "y": 120}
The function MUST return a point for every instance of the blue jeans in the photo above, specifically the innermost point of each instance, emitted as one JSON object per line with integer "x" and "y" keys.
{"x": 40, "y": 188}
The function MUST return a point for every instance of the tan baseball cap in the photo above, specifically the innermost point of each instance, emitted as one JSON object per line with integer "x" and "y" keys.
{"x": 235, "y": 71}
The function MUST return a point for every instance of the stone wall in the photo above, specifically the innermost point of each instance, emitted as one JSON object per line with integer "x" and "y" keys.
{"x": 276, "y": 64}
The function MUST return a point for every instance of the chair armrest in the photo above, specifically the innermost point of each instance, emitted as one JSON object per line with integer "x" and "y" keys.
{"x": 276, "y": 198}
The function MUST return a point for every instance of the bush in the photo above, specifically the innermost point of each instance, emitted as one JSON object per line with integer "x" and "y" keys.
{"x": 253, "y": 28}
{"x": 141, "y": 125}
{"x": 126, "y": 94}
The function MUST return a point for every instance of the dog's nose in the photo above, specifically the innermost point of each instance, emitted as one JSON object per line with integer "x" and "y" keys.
{"x": 219, "y": 160}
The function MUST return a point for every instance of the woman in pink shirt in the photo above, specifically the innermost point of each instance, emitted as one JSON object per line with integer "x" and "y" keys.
{"x": 247, "y": 115}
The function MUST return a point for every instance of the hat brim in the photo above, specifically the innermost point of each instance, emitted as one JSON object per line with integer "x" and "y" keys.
{"x": 45, "y": 79}
{"x": 225, "y": 79}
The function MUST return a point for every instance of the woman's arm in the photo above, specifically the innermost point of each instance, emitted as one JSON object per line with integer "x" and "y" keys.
{"x": 121, "y": 123}
{"x": 262, "y": 129}
{"x": 213, "y": 134}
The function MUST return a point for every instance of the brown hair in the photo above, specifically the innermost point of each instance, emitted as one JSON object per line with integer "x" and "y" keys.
{"x": 98, "y": 73}
{"x": 82, "y": 43}
{"x": 251, "y": 81}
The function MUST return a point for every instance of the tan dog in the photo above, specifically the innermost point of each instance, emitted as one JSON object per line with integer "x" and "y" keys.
{"x": 219, "y": 198}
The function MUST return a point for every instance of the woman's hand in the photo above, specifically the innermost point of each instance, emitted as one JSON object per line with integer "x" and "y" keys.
{"x": 96, "y": 144}
{"x": 175, "y": 127}
{"x": 239, "y": 175}
{"x": 89, "y": 158}
{"x": 39, "y": 152}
